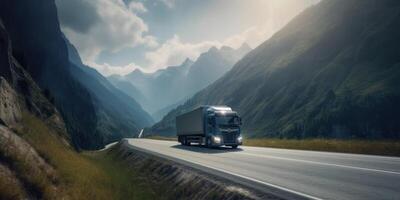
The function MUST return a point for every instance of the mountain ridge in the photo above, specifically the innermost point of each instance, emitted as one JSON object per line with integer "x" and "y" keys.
{"x": 325, "y": 74}
{"x": 174, "y": 84}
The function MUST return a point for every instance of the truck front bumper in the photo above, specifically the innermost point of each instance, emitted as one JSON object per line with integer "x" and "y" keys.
{"x": 222, "y": 140}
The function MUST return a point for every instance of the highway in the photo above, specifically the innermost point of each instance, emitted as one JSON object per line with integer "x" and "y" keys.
{"x": 292, "y": 174}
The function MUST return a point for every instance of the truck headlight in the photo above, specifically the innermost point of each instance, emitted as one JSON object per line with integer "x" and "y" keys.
{"x": 240, "y": 139}
{"x": 217, "y": 139}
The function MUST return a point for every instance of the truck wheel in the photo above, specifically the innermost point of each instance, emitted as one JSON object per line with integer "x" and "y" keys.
{"x": 208, "y": 142}
{"x": 181, "y": 140}
{"x": 234, "y": 146}
{"x": 186, "y": 142}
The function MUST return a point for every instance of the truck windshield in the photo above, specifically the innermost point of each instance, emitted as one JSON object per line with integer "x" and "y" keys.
{"x": 227, "y": 120}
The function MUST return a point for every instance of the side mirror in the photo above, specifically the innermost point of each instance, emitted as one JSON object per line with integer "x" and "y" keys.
{"x": 240, "y": 121}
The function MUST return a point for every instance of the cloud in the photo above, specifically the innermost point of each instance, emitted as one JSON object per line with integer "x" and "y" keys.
{"x": 107, "y": 69}
{"x": 96, "y": 26}
{"x": 137, "y": 7}
{"x": 168, "y": 3}
{"x": 174, "y": 52}
{"x": 116, "y": 27}
{"x": 253, "y": 36}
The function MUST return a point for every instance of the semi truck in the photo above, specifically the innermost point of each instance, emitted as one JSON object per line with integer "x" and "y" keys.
{"x": 212, "y": 126}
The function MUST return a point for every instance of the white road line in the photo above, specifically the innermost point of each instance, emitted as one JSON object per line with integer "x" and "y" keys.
{"x": 320, "y": 163}
{"x": 140, "y": 134}
{"x": 258, "y": 181}
{"x": 108, "y": 146}
{"x": 241, "y": 176}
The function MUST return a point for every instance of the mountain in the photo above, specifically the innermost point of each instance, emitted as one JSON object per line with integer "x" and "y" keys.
{"x": 21, "y": 166}
{"x": 19, "y": 94}
{"x": 39, "y": 46}
{"x": 333, "y": 71}
{"x": 159, "y": 89}
{"x": 166, "y": 88}
{"x": 129, "y": 89}
{"x": 211, "y": 65}
{"x": 120, "y": 114}
{"x": 158, "y": 115}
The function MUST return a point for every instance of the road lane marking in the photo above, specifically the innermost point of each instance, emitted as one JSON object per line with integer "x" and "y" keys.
{"x": 232, "y": 173}
{"x": 108, "y": 146}
{"x": 321, "y": 163}
{"x": 140, "y": 134}
{"x": 261, "y": 182}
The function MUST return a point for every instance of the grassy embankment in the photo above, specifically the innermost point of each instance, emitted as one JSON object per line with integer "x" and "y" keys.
{"x": 87, "y": 175}
{"x": 389, "y": 148}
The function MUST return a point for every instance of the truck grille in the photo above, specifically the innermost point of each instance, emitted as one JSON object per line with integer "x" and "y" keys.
{"x": 230, "y": 138}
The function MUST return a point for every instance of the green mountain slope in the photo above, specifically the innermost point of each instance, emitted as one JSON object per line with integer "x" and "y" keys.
{"x": 334, "y": 71}
{"x": 211, "y": 65}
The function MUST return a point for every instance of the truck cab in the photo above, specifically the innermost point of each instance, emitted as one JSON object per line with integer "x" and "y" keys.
{"x": 223, "y": 127}
{"x": 212, "y": 126}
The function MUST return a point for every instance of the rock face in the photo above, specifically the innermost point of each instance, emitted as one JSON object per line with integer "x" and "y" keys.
{"x": 19, "y": 95}
{"x": 41, "y": 50}
{"x": 10, "y": 111}
{"x": 333, "y": 71}
{"x": 5, "y": 53}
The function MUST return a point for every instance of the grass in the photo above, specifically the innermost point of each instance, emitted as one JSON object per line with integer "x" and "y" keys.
{"x": 388, "y": 148}
{"x": 10, "y": 189}
{"x": 124, "y": 182}
{"x": 87, "y": 175}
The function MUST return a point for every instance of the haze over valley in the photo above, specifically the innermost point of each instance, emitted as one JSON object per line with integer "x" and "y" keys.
{"x": 161, "y": 91}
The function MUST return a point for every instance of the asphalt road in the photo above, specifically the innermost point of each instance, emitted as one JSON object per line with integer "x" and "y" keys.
{"x": 290, "y": 173}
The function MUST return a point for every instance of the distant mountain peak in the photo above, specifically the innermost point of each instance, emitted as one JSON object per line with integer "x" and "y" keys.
{"x": 187, "y": 62}
{"x": 226, "y": 48}
{"x": 245, "y": 47}
{"x": 136, "y": 71}
{"x": 213, "y": 49}
{"x": 114, "y": 76}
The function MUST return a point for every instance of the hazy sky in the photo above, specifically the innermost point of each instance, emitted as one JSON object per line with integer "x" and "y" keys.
{"x": 117, "y": 36}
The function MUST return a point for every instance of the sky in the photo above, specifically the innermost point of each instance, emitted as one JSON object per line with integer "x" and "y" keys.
{"x": 119, "y": 36}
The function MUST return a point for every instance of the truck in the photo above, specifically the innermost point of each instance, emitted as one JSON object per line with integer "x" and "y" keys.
{"x": 212, "y": 126}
